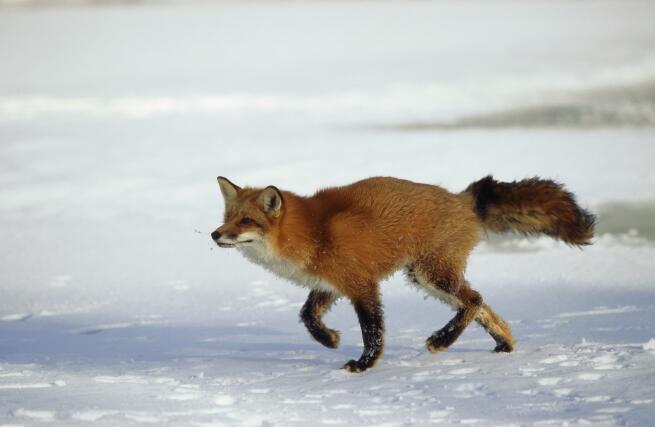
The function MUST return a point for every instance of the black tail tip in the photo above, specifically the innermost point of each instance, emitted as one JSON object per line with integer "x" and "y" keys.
{"x": 484, "y": 193}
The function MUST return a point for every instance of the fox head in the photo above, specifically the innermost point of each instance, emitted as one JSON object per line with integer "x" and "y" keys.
{"x": 249, "y": 214}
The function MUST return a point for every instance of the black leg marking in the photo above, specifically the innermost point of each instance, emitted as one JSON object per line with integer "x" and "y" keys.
{"x": 317, "y": 304}
{"x": 444, "y": 337}
{"x": 502, "y": 347}
{"x": 447, "y": 335}
{"x": 371, "y": 321}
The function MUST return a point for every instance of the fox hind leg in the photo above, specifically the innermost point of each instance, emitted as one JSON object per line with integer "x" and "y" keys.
{"x": 470, "y": 301}
{"x": 317, "y": 304}
{"x": 453, "y": 296}
{"x": 497, "y": 327}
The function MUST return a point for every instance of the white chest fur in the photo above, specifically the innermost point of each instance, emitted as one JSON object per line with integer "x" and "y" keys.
{"x": 260, "y": 253}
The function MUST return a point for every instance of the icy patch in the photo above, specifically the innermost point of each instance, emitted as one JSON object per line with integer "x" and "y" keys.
{"x": 555, "y": 359}
{"x": 14, "y": 374}
{"x": 142, "y": 417}
{"x": 650, "y": 345}
{"x": 249, "y": 324}
{"x": 92, "y": 330}
{"x": 333, "y": 421}
{"x": 529, "y": 372}
{"x": 470, "y": 421}
{"x": 464, "y": 371}
{"x": 606, "y": 362}
{"x": 16, "y": 317}
{"x": 614, "y": 410}
{"x": 60, "y": 281}
{"x": 184, "y": 393}
{"x": 92, "y": 415}
{"x": 594, "y": 399}
{"x": 224, "y": 400}
{"x": 24, "y": 386}
{"x": 590, "y": 376}
{"x": 562, "y": 392}
{"x": 439, "y": 416}
{"x": 469, "y": 390}
{"x": 452, "y": 362}
{"x": 44, "y": 416}
{"x": 121, "y": 379}
{"x": 601, "y": 311}
{"x": 549, "y": 381}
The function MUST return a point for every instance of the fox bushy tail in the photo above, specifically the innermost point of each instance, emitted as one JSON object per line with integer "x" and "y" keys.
{"x": 532, "y": 206}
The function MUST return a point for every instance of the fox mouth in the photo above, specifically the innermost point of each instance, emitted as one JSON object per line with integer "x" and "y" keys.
{"x": 233, "y": 244}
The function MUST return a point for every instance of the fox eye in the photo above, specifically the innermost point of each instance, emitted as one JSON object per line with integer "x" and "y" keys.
{"x": 246, "y": 221}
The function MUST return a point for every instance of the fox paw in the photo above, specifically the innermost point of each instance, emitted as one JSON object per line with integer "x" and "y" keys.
{"x": 354, "y": 366}
{"x": 504, "y": 348}
{"x": 436, "y": 344}
{"x": 329, "y": 338}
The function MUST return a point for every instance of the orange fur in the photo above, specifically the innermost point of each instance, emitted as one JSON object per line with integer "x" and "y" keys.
{"x": 343, "y": 241}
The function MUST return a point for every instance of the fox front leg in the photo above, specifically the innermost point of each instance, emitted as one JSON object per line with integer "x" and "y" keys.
{"x": 317, "y": 304}
{"x": 371, "y": 320}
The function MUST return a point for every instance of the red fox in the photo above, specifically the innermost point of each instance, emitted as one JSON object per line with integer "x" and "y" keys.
{"x": 342, "y": 241}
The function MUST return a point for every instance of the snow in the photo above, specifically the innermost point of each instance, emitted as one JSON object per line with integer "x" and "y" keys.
{"x": 117, "y": 309}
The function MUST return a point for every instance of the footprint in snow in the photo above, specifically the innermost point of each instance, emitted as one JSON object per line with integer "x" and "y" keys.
{"x": 464, "y": 371}
{"x": 468, "y": 390}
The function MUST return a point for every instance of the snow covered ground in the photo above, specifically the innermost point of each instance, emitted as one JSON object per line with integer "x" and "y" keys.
{"x": 116, "y": 308}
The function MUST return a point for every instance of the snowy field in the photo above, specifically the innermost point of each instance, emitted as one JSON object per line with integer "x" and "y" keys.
{"x": 117, "y": 309}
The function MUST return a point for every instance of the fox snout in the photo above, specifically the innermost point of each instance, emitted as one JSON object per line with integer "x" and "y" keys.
{"x": 223, "y": 239}
{"x": 226, "y": 238}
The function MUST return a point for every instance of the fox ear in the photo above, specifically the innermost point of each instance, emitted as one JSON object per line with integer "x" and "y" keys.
{"x": 271, "y": 200}
{"x": 228, "y": 189}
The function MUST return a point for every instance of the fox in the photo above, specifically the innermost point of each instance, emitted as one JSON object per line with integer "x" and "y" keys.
{"x": 341, "y": 242}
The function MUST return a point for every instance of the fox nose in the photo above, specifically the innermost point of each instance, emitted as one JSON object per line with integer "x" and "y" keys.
{"x": 216, "y": 235}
